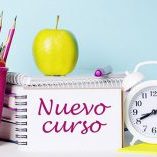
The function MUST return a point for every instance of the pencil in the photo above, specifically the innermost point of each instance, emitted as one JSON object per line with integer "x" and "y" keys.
{"x": 9, "y": 41}
{"x": 1, "y": 47}
{"x": 1, "y": 20}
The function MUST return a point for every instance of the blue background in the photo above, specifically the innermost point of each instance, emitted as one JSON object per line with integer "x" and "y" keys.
{"x": 120, "y": 33}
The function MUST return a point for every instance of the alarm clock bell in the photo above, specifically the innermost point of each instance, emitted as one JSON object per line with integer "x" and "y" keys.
{"x": 131, "y": 80}
{"x": 135, "y": 77}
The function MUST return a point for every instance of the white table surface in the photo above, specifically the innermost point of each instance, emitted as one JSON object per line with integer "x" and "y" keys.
{"x": 11, "y": 150}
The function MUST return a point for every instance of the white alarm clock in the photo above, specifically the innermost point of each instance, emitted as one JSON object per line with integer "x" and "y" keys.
{"x": 140, "y": 106}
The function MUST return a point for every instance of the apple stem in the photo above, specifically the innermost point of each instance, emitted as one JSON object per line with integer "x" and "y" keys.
{"x": 57, "y": 21}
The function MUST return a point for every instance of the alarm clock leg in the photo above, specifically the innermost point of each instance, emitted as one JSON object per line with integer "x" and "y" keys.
{"x": 133, "y": 141}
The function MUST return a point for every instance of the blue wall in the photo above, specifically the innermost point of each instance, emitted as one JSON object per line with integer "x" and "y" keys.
{"x": 116, "y": 32}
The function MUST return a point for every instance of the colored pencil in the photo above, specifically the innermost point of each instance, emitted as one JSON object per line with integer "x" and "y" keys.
{"x": 1, "y": 20}
{"x": 1, "y": 46}
{"x": 9, "y": 41}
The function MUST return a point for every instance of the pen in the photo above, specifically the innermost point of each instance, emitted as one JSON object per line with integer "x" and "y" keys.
{"x": 101, "y": 72}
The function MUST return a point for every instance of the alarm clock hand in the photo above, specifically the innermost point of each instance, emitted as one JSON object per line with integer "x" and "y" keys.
{"x": 146, "y": 115}
{"x": 154, "y": 112}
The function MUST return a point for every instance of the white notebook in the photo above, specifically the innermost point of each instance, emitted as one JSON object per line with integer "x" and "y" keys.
{"x": 110, "y": 81}
{"x": 68, "y": 114}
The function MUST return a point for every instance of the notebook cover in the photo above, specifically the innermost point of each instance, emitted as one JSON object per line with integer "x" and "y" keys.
{"x": 87, "y": 125}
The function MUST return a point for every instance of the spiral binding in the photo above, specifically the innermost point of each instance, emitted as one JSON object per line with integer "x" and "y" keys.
{"x": 21, "y": 120}
{"x": 16, "y": 78}
{"x": 112, "y": 81}
{"x": 79, "y": 83}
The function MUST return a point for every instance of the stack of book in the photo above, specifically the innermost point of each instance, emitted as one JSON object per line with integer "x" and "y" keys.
{"x": 63, "y": 114}
{"x": 8, "y": 122}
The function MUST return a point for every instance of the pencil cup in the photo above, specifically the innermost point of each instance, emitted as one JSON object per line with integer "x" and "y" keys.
{"x": 3, "y": 73}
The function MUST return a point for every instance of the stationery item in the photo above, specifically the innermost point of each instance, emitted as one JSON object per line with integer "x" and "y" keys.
{"x": 2, "y": 63}
{"x": 101, "y": 72}
{"x": 143, "y": 148}
{"x": 9, "y": 41}
{"x": 18, "y": 79}
{"x": 8, "y": 124}
{"x": 7, "y": 130}
{"x": 1, "y": 20}
{"x": 9, "y": 113}
{"x": 113, "y": 80}
{"x": 68, "y": 114}
{"x": 9, "y": 100}
{"x": 3, "y": 72}
{"x": 1, "y": 47}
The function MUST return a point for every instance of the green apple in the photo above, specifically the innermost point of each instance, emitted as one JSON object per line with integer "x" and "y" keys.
{"x": 55, "y": 51}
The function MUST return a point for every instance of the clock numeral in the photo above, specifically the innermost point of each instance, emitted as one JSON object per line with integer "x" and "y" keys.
{"x": 138, "y": 103}
{"x": 138, "y": 121}
{"x": 154, "y": 130}
{"x": 144, "y": 128}
{"x": 153, "y": 93}
{"x": 144, "y": 95}
{"x": 135, "y": 111}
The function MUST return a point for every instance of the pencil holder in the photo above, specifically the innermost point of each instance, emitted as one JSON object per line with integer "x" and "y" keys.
{"x": 3, "y": 72}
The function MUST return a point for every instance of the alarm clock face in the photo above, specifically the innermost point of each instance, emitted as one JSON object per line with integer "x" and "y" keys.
{"x": 142, "y": 112}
